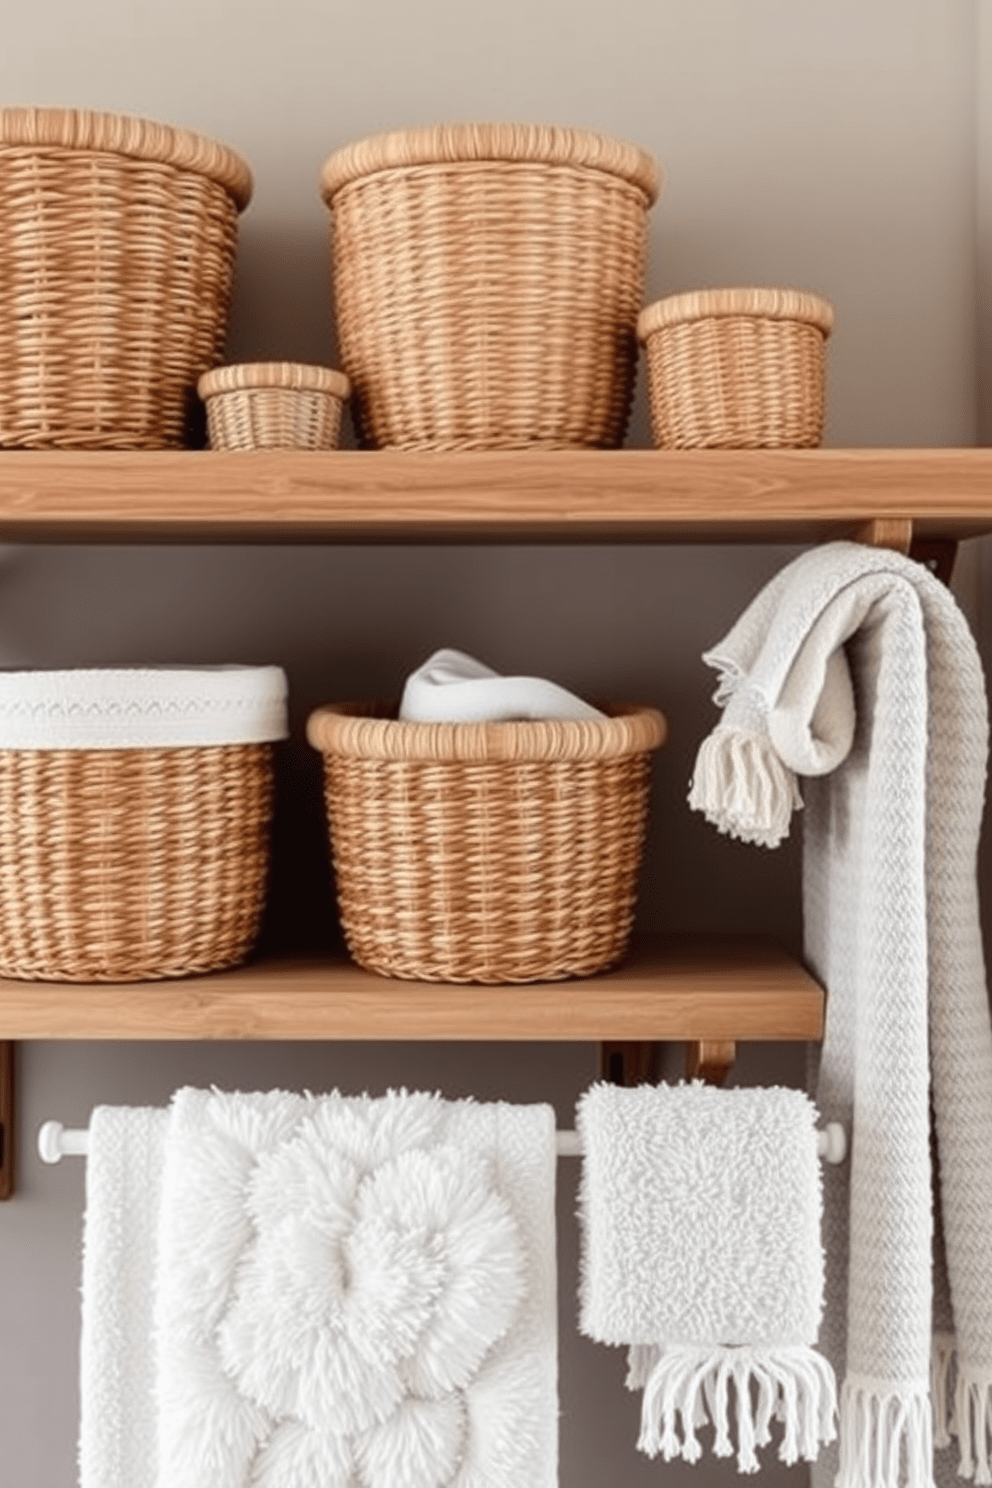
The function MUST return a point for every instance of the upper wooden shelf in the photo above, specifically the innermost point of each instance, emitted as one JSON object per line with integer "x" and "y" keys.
{"x": 522, "y": 496}
{"x": 729, "y": 988}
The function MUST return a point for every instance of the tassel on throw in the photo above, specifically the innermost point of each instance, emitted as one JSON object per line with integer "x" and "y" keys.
{"x": 941, "y": 1359}
{"x": 973, "y": 1421}
{"x": 886, "y": 1437}
{"x": 742, "y": 787}
{"x": 693, "y": 1385}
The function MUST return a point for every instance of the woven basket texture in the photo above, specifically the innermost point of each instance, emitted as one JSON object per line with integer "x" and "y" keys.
{"x": 117, "y": 248}
{"x": 486, "y": 302}
{"x": 276, "y": 405}
{"x": 736, "y": 373}
{"x": 486, "y": 853}
{"x": 131, "y": 864}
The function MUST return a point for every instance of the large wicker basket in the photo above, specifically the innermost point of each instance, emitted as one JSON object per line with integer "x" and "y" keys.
{"x": 736, "y": 368}
{"x": 273, "y": 405}
{"x": 117, "y": 247}
{"x": 486, "y": 852}
{"x": 142, "y": 861}
{"x": 487, "y": 280}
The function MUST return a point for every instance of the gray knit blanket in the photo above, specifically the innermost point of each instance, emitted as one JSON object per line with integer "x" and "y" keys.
{"x": 855, "y": 670}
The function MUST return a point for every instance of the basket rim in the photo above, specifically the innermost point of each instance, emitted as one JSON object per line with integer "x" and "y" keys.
{"x": 365, "y": 731}
{"x": 496, "y": 143}
{"x": 297, "y": 376}
{"x": 129, "y": 135}
{"x": 715, "y": 304}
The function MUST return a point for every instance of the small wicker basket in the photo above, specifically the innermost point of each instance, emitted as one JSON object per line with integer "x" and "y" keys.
{"x": 487, "y": 279}
{"x": 736, "y": 368}
{"x": 273, "y": 405}
{"x": 117, "y": 247}
{"x": 142, "y": 861}
{"x": 486, "y": 852}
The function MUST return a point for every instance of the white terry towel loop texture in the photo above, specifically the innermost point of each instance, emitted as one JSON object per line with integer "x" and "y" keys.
{"x": 451, "y": 687}
{"x": 701, "y": 1251}
{"x": 855, "y": 668}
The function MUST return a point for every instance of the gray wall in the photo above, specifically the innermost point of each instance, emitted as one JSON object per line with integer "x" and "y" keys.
{"x": 827, "y": 145}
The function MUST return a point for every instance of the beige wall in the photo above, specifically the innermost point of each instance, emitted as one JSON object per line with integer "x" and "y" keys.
{"x": 825, "y": 143}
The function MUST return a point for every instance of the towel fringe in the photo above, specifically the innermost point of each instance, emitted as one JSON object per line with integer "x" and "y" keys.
{"x": 886, "y": 1436}
{"x": 742, "y": 787}
{"x": 942, "y": 1356}
{"x": 794, "y": 1385}
{"x": 973, "y": 1422}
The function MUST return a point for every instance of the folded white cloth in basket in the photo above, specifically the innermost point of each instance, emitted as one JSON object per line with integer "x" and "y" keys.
{"x": 356, "y": 1289}
{"x": 117, "y": 1429}
{"x": 700, "y": 1212}
{"x": 452, "y": 687}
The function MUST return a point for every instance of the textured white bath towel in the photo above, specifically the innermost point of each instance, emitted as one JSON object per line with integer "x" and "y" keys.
{"x": 451, "y": 687}
{"x": 117, "y": 1436}
{"x": 356, "y": 1289}
{"x": 700, "y": 1217}
{"x": 855, "y": 667}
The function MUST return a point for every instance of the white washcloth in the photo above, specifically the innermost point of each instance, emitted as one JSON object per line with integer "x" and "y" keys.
{"x": 357, "y": 1289}
{"x": 117, "y": 1434}
{"x": 700, "y": 1215}
{"x": 451, "y": 687}
{"x": 892, "y": 930}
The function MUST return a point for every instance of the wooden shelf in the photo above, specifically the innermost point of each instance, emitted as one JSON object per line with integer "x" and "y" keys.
{"x": 700, "y": 988}
{"x": 521, "y": 496}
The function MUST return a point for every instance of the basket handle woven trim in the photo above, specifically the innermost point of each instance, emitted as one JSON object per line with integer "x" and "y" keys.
{"x": 460, "y": 143}
{"x": 297, "y": 376}
{"x": 354, "y": 729}
{"x": 714, "y": 304}
{"x": 124, "y": 134}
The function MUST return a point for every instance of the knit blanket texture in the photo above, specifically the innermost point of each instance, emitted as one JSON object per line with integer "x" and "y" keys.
{"x": 324, "y": 1290}
{"x": 855, "y": 669}
{"x": 701, "y": 1252}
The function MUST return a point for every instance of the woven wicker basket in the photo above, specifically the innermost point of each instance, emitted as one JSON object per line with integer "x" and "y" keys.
{"x": 133, "y": 863}
{"x": 486, "y": 281}
{"x": 736, "y": 368}
{"x": 273, "y": 405}
{"x": 500, "y": 852}
{"x": 117, "y": 246}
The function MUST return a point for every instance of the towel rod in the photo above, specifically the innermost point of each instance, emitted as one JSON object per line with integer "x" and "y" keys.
{"x": 56, "y": 1141}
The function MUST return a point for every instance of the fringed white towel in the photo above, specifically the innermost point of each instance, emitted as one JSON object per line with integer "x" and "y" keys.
{"x": 117, "y": 1435}
{"x": 455, "y": 688}
{"x": 357, "y": 1290}
{"x": 700, "y": 1217}
{"x": 855, "y": 667}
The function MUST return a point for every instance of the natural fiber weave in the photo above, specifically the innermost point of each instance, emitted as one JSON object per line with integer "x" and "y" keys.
{"x": 131, "y": 864}
{"x": 487, "y": 280}
{"x": 117, "y": 247}
{"x": 500, "y": 852}
{"x": 273, "y": 405}
{"x": 736, "y": 369}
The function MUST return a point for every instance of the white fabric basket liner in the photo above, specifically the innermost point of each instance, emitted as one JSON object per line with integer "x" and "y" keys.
{"x": 142, "y": 707}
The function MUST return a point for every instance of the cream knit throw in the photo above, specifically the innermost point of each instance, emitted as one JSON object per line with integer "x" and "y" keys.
{"x": 892, "y": 929}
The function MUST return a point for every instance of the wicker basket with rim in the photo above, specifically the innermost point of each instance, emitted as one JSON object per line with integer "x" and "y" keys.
{"x": 117, "y": 247}
{"x": 486, "y": 852}
{"x": 142, "y": 861}
{"x": 487, "y": 279}
{"x": 273, "y": 405}
{"x": 736, "y": 368}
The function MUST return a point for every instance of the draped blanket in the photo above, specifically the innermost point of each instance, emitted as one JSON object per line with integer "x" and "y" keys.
{"x": 854, "y": 668}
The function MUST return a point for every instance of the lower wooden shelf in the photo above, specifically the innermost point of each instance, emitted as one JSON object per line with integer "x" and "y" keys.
{"x": 671, "y": 989}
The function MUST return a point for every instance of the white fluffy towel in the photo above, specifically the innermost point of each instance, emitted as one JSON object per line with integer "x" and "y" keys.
{"x": 357, "y": 1290}
{"x": 700, "y": 1213}
{"x": 117, "y": 1432}
{"x": 451, "y": 687}
{"x": 855, "y": 668}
